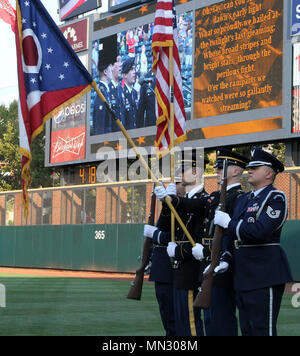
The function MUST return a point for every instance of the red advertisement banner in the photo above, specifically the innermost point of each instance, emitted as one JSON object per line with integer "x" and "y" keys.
{"x": 68, "y": 145}
{"x": 77, "y": 35}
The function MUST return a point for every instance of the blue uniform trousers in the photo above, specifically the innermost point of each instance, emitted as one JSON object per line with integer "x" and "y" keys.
{"x": 164, "y": 296}
{"x": 223, "y": 321}
{"x": 259, "y": 309}
{"x": 188, "y": 320}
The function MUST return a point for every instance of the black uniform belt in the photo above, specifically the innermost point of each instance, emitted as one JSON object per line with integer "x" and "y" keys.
{"x": 238, "y": 244}
{"x": 155, "y": 245}
{"x": 178, "y": 242}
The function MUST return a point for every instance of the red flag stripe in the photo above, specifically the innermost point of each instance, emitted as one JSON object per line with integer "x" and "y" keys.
{"x": 7, "y": 13}
{"x": 165, "y": 36}
{"x": 177, "y": 78}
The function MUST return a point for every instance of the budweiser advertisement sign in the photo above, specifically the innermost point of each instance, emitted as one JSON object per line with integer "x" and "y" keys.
{"x": 77, "y": 34}
{"x": 68, "y": 145}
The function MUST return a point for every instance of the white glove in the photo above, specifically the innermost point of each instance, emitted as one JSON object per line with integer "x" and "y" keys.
{"x": 160, "y": 192}
{"x": 149, "y": 230}
{"x": 171, "y": 189}
{"x": 197, "y": 252}
{"x": 221, "y": 268}
{"x": 171, "y": 249}
{"x": 222, "y": 219}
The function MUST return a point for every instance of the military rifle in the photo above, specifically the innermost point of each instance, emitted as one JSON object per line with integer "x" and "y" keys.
{"x": 135, "y": 291}
{"x": 203, "y": 297}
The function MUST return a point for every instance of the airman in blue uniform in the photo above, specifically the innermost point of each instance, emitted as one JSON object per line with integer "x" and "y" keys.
{"x": 261, "y": 268}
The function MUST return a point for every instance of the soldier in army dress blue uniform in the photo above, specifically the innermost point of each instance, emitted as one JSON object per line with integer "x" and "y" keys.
{"x": 261, "y": 268}
{"x": 187, "y": 269}
{"x": 130, "y": 95}
{"x": 161, "y": 271}
{"x": 146, "y": 109}
{"x": 102, "y": 119}
{"x": 115, "y": 94}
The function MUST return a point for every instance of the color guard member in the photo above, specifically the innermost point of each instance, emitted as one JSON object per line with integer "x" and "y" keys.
{"x": 187, "y": 269}
{"x": 222, "y": 310}
{"x": 261, "y": 266}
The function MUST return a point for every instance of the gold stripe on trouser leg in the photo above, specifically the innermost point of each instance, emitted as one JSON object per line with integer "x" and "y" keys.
{"x": 191, "y": 312}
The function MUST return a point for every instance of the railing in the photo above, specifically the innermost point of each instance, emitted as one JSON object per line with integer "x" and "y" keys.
{"x": 112, "y": 203}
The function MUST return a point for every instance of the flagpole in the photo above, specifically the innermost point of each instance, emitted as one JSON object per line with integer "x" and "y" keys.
{"x": 142, "y": 160}
{"x": 172, "y": 161}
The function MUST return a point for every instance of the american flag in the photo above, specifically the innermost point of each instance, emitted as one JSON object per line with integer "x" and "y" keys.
{"x": 164, "y": 37}
{"x": 7, "y": 13}
{"x": 67, "y": 7}
{"x": 50, "y": 75}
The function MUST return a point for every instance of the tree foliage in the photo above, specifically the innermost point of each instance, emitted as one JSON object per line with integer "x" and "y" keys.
{"x": 277, "y": 149}
{"x": 10, "y": 175}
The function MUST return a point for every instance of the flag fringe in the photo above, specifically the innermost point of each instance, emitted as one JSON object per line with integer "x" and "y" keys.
{"x": 26, "y": 177}
{"x": 165, "y": 115}
{"x": 168, "y": 43}
{"x": 166, "y": 150}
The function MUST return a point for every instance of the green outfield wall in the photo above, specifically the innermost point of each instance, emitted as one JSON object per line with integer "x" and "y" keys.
{"x": 111, "y": 247}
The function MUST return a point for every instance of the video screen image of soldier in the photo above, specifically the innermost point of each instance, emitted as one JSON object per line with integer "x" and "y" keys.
{"x": 122, "y": 68}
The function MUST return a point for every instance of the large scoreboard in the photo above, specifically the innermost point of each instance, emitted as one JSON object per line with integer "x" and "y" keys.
{"x": 236, "y": 61}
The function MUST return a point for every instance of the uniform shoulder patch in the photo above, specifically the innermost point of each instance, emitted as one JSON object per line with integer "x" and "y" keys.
{"x": 272, "y": 213}
{"x": 278, "y": 195}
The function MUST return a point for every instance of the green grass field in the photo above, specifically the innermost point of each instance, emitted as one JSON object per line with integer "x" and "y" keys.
{"x": 86, "y": 306}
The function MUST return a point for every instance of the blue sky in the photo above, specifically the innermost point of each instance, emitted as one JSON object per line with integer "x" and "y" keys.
{"x": 8, "y": 63}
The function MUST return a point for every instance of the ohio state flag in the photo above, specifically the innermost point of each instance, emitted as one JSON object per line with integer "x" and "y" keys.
{"x": 50, "y": 74}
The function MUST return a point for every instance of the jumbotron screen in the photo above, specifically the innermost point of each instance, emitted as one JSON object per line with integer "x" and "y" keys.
{"x": 135, "y": 85}
{"x": 238, "y": 57}
{"x": 236, "y": 73}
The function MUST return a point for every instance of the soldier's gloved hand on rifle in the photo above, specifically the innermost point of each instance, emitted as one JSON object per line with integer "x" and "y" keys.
{"x": 171, "y": 249}
{"x": 221, "y": 268}
{"x": 197, "y": 252}
{"x": 149, "y": 230}
{"x": 222, "y": 219}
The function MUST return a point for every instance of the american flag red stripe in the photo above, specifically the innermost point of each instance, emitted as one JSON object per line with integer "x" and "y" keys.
{"x": 71, "y": 6}
{"x": 7, "y": 13}
{"x": 164, "y": 37}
